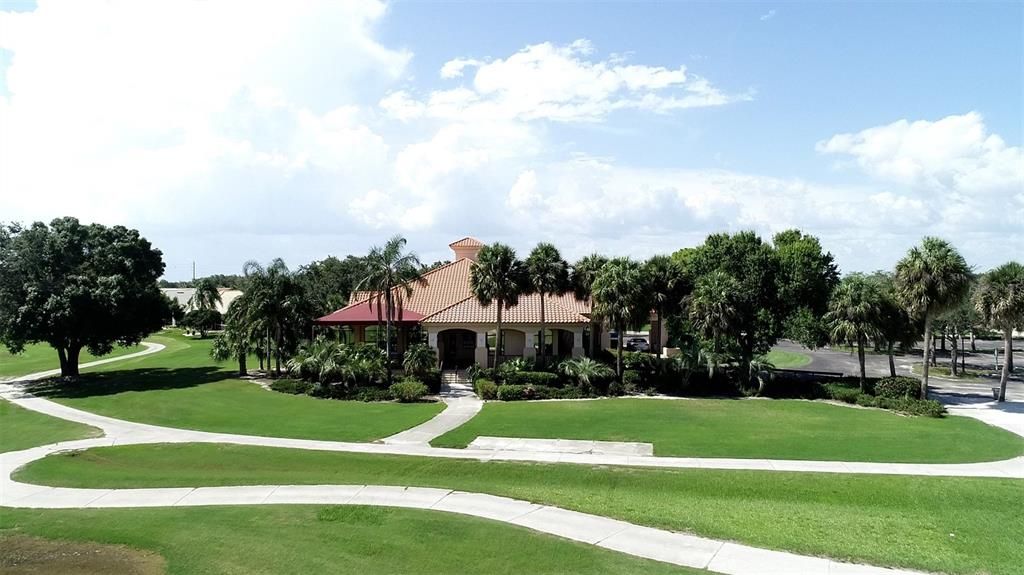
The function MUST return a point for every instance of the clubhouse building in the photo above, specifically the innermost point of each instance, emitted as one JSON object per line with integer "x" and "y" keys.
{"x": 443, "y": 312}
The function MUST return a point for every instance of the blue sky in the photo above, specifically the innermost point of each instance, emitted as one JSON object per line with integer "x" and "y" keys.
{"x": 868, "y": 125}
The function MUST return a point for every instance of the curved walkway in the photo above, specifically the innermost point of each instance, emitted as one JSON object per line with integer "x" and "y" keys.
{"x": 461, "y": 406}
{"x": 661, "y": 545}
{"x": 150, "y": 349}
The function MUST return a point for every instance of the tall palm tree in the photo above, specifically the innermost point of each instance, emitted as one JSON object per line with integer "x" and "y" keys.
{"x": 714, "y": 312}
{"x": 619, "y": 299}
{"x": 548, "y": 275}
{"x": 582, "y": 277}
{"x": 273, "y": 298}
{"x": 665, "y": 286}
{"x": 1000, "y": 301}
{"x": 390, "y": 275}
{"x": 895, "y": 327}
{"x": 930, "y": 279}
{"x": 855, "y": 314}
{"x": 206, "y": 296}
{"x": 497, "y": 276}
{"x": 239, "y": 337}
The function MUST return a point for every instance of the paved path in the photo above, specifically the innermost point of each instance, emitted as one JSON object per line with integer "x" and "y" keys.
{"x": 150, "y": 349}
{"x": 461, "y": 406}
{"x": 661, "y": 545}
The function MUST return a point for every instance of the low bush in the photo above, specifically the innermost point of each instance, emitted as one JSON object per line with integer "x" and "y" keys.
{"x": 432, "y": 379}
{"x": 485, "y": 389}
{"x": 408, "y": 390}
{"x": 369, "y": 394}
{"x": 842, "y": 393}
{"x": 630, "y": 377}
{"x": 476, "y": 372}
{"x": 898, "y": 387}
{"x": 292, "y": 386}
{"x": 508, "y": 392}
{"x": 532, "y": 378}
{"x": 922, "y": 407}
{"x": 616, "y": 389}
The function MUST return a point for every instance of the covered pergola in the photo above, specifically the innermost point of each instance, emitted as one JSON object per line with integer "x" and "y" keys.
{"x": 358, "y": 317}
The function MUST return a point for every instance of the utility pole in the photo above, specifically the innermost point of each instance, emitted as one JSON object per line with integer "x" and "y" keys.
{"x": 193, "y": 273}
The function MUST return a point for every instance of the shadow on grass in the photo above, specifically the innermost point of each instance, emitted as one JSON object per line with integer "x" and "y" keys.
{"x": 144, "y": 379}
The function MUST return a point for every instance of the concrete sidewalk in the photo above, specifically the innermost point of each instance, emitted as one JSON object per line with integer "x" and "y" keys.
{"x": 462, "y": 404}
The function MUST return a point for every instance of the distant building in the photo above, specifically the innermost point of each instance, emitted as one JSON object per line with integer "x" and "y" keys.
{"x": 183, "y": 296}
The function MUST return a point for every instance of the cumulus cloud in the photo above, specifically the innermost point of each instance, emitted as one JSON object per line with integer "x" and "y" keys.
{"x": 559, "y": 83}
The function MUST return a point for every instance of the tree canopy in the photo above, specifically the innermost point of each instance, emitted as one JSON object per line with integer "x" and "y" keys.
{"x": 72, "y": 286}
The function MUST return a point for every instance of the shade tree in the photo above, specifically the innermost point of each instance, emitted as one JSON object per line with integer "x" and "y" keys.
{"x": 1000, "y": 301}
{"x": 76, "y": 286}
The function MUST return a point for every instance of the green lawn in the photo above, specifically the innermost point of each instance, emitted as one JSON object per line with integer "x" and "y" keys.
{"x": 754, "y": 428}
{"x": 41, "y": 357}
{"x": 181, "y": 387}
{"x": 953, "y": 525}
{"x": 319, "y": 539}
{"x": 21, "y": 428}
{"x": 783, "y": 359}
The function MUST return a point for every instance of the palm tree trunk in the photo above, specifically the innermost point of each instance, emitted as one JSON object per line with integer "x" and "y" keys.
{"x": 497, "y": 335}
{"x": 952, "y": 356}
{"x": 1008, "y": 353}
{"x": 927, "y": 355}
{"x": 860, "y": 358}
{"x": 387, "y": 335}
{"x": 621, "y": 328}
{"x": 892, "y": 363}
{"x": 543, "y": 350}
{"x": 973, "y": 346}
{"x": 241, "y": 364}
{"x": 943, "y": 340}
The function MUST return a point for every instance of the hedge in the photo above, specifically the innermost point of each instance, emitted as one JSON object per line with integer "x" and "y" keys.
{"x": 485, "y": 389}
{"x": 898, "y": 387}
{"x": 532, "y": 378}
{"x": 408, "y": 390}
{"x": 292, "y": 386}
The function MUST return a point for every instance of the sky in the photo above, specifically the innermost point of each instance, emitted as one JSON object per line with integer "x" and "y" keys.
{"x": 230, "y": 131}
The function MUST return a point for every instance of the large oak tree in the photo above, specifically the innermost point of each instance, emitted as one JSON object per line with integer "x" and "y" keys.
{"x": 77, "y": 286}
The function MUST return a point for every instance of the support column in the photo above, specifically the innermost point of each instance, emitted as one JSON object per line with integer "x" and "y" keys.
{"x": 480, "y": 353}
{"x": 359, "y": 332}
{"x": 529, "y": 349}
{"x": 554, "y": 342}
{"x": 577, "y": 342}
{"x": 606, "y": 337}
{"x": 432, "y": 338}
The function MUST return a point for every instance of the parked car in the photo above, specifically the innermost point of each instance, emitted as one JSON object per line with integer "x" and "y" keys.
{"x": 637, "y": 344}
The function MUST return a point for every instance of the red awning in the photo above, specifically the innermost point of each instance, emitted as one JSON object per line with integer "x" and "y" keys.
{"x": 364, "y": 314}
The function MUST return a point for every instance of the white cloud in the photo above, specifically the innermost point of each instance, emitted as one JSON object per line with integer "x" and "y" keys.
{"x": 559, "y": 83}
{"x": 954, "y": 153}
{"x": 768, "y": 15}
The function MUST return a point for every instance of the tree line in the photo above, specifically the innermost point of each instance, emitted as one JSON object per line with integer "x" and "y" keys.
{"x": 727, "y": 301}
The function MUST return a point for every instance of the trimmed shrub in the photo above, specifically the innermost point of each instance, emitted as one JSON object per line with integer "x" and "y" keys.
{"x": 630, "y": 377}
{"x": 485, "y": 388}
{"x": 922, "y": 407}
{"x": 842, "y": 393}
{"x": 616, "y": 389}
{"x": 532, "y": 378}
{"x": 370, "y": 394}
{"x": 408, "y": 390}
{"x": 432, "y": 379}
{"x": 476, "y": 372}
{"x": 865, "y": 400}
{"x": 292, "y": 386}
{"x": 899, "y": 387}
{"x": 514, "y": 392}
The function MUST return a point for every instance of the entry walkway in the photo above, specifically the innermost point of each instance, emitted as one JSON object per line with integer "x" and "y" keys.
{"x": 461, "y": 406}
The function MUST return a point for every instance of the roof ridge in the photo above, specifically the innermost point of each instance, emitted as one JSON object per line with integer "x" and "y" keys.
{"x": 559, "y": 304}
{"x": 423, "y": 275}
{"x": 463, "y": 300}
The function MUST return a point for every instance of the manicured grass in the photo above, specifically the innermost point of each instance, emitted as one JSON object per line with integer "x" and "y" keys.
{"x": 21, "y": 428}
{"x": 41, "y": 357}
{"x": 318, "y": 539}
{"x": 783, "y": 359}
{"x": 182, "y": 387}
{"x": 772, "y": 429}
{"x": 953, "y": 525}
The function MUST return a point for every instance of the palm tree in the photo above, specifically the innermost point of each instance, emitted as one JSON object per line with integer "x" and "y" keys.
{"x": 895, "y": 327}
{"x": 854, "y": 314}
{"x": 714, "y": 312}
{"x": 497, "y": 276}
{"x": 239, "y": 338}
{"x": 206, "y": 296}
{"x": 390, "y": 275}
{"x": 1000, "y": 301}
{"x": 548, "y": 275}
{"x": 619, "y": 299}
{"x": 275, "y": 304}
{"x": 665, "y": 286}
{"x": 585, "y": 371}
{"x": 930, "y": 279}
{"x": 582, "y": 277}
